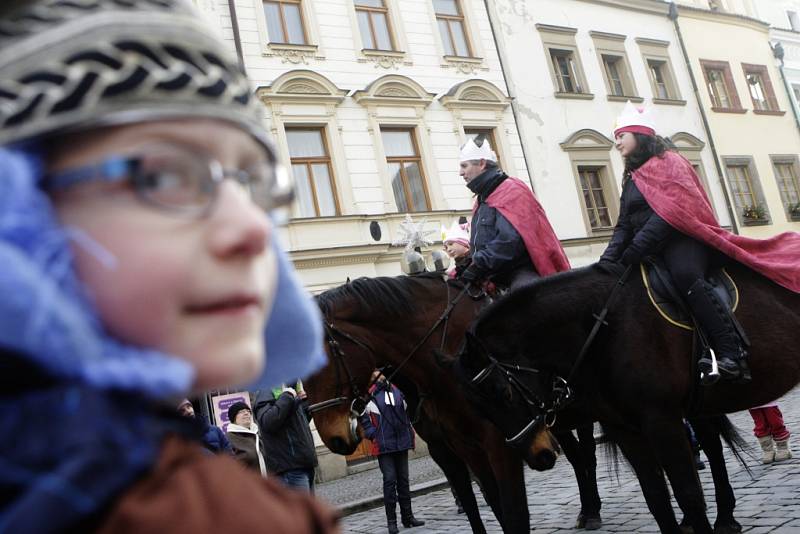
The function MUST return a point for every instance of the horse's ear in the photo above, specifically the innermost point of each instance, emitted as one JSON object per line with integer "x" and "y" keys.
{"x": 347, "y": 281}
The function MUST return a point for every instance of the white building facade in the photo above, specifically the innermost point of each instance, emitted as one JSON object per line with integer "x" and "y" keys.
{"x": 571, "y": 66}
{"x": 368, "y": 102}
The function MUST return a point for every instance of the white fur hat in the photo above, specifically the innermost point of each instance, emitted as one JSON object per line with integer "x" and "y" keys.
{"x": 457, "y": 233}
{"x": 635, "y": 121}
{"x": 470, "y": 151}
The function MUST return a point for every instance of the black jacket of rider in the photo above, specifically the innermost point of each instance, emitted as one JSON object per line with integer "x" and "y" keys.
{"x": 639, "y": 232}
{"x": 497, "y": 248}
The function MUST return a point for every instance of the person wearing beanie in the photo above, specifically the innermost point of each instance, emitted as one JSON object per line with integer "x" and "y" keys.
{"x": 456, "y": 244}
{"x": 511, "y": 241}
{"x": 138, "y": 265}
{"x": 665, "y": 212}
{"x": 214, "y": 438}
{"x": 246, "y": 444}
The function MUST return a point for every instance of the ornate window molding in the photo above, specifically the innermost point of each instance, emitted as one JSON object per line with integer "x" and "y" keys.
{"x": 393, "y": 101}
{"x": 480, "y": 105}
{"x": 589, "y": 155}
{"x": 296, "y": 54}
{"x": 392, "y": 90}
{"x": 382, "y": 59}
{"x": 302, "y": 98}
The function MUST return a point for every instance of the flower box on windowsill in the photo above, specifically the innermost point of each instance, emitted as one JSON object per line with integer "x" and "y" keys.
{"x": 755, "y": 222}
{"x": 769, "y": 112}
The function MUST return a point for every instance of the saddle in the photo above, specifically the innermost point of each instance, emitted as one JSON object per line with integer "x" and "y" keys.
{"x": 669, "y": 303}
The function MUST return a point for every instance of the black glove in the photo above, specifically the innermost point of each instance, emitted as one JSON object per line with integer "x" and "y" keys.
{"x": 631, "y": 256}
{"x": 471, "y": 275}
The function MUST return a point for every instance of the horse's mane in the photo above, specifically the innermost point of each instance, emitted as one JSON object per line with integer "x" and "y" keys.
{"x": 389, "y": 296}
{"x": 557, "y": 297}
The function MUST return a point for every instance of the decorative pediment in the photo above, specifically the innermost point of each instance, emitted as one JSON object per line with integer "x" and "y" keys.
{"x": 302, "y": 85}
{"x": 686, "y": 141}
{"x": 587, "y": 139}
{"x": 394, "y": 89}
{"x": 475, "y": 94}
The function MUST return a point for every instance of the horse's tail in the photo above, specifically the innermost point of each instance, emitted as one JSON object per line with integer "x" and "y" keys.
{"x": 738, "y": 445}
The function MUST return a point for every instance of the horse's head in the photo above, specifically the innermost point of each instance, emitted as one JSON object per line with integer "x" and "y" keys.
{"x": 516, "y": 404}
{"x": 337, "y": 393}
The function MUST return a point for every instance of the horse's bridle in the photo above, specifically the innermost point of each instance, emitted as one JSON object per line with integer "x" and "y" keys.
{"x": 358, "y": 404}
{"x": 560, "y": 389}
{"x": 360, "y": 400}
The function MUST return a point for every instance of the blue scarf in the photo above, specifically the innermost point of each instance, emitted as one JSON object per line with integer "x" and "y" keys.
{"x": 47, "y": 316}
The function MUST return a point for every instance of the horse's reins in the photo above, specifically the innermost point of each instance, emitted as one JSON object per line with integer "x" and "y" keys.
{"x": 365, "y": 397}
{"x": 561, "y": 388}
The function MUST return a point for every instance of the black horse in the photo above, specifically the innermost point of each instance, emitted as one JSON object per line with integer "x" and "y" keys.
{"x": 638, "y": 376}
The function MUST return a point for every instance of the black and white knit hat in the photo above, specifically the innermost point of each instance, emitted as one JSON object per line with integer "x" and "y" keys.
{"x": 74, "y": 64}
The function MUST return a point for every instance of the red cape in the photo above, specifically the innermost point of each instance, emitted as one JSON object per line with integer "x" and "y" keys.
{"x": 671, "y": 187}
{"x": 516, "y": 202}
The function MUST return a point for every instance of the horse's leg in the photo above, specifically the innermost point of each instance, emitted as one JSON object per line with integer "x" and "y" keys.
{"x": 509, "y": 472}
{"x": 457, "y": 473}
{"x": 708, "y": 434}
{"x": 588, "y": 447}
{"x": 584, "y": 475}
{"x": 482, "y": 469}
{"x": 651, "y": 477}
{"x": 667, "y": 436}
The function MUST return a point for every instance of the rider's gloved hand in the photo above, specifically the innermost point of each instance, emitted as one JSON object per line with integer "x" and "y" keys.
{"x": 471, "y": 275}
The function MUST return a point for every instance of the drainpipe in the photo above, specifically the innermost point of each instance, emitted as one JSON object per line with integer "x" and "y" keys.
{"x": 506, "y": 77}
{"x": 778, "y": 52}
{"x": 673, "y": 16}
{"x": 237, "y": 40}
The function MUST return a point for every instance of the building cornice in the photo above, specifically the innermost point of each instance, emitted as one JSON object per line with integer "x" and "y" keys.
{"x": 654, "y": 7}
{"x": 722, "y": 17}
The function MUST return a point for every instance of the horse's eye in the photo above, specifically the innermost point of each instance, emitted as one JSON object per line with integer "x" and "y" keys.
{"x": 508, "y": 394}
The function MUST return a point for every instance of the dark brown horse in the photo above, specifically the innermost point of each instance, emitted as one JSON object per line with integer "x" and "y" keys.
{"x": 379, "y": 321}
{"x": 637, "y": 378}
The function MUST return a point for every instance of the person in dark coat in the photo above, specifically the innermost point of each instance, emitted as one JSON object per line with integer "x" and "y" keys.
{"x": 511, "y": 240}
{"x": 283, "y": 418}
{"x": 386, "y": 424}
{"x": 213, "y": 437}
{"x": 641, "y": 232}
{"x": 246, "y": 444}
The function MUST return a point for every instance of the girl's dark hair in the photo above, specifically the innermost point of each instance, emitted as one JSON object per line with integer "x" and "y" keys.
{"x": 647, "y": 146}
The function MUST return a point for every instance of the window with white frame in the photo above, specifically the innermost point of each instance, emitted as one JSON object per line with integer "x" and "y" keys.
{"x": 788, "y": 178}
{"x": 452, "y": 28}
{"x": 285, "y": 22}
{"x": 374, "y": 25}
{"x": 312, "y": 171}
{"x": 404, "y": 163}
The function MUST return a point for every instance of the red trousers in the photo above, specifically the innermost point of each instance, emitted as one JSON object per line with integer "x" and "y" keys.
{"x": 769, "y": 422}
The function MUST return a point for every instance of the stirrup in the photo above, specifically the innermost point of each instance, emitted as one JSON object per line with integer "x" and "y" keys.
{"x": 709, "y": 369}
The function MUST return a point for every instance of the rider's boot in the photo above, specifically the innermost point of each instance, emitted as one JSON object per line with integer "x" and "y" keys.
{"x": 715, "y": 321}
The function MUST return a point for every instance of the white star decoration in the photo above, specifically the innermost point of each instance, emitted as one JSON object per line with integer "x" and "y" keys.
{"x": 413, "y": 235}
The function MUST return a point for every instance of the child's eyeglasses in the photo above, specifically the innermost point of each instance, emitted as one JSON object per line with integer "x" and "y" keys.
{"x": 180, "y": 181}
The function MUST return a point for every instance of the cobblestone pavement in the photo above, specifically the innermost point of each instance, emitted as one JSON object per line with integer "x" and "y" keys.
{"x": 769, "y": 501}
{"x": 370, "y": 483}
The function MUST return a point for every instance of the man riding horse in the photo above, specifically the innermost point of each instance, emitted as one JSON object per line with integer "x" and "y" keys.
{"x": 664, "y": 212}
{"x": 511, "y": 239}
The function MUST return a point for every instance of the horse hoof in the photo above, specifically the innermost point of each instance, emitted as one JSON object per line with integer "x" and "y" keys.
{"x": 687, "y": 529}
{"x": 594, "y": 523}
{"x": 588, "y": 522}
{"x": 732, "y": 527}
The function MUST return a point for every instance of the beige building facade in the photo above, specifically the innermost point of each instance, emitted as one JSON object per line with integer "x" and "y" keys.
{"x": 368, "y": 102}
{"x": 571, "y": 66}
{"x": 750, "y": 115}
